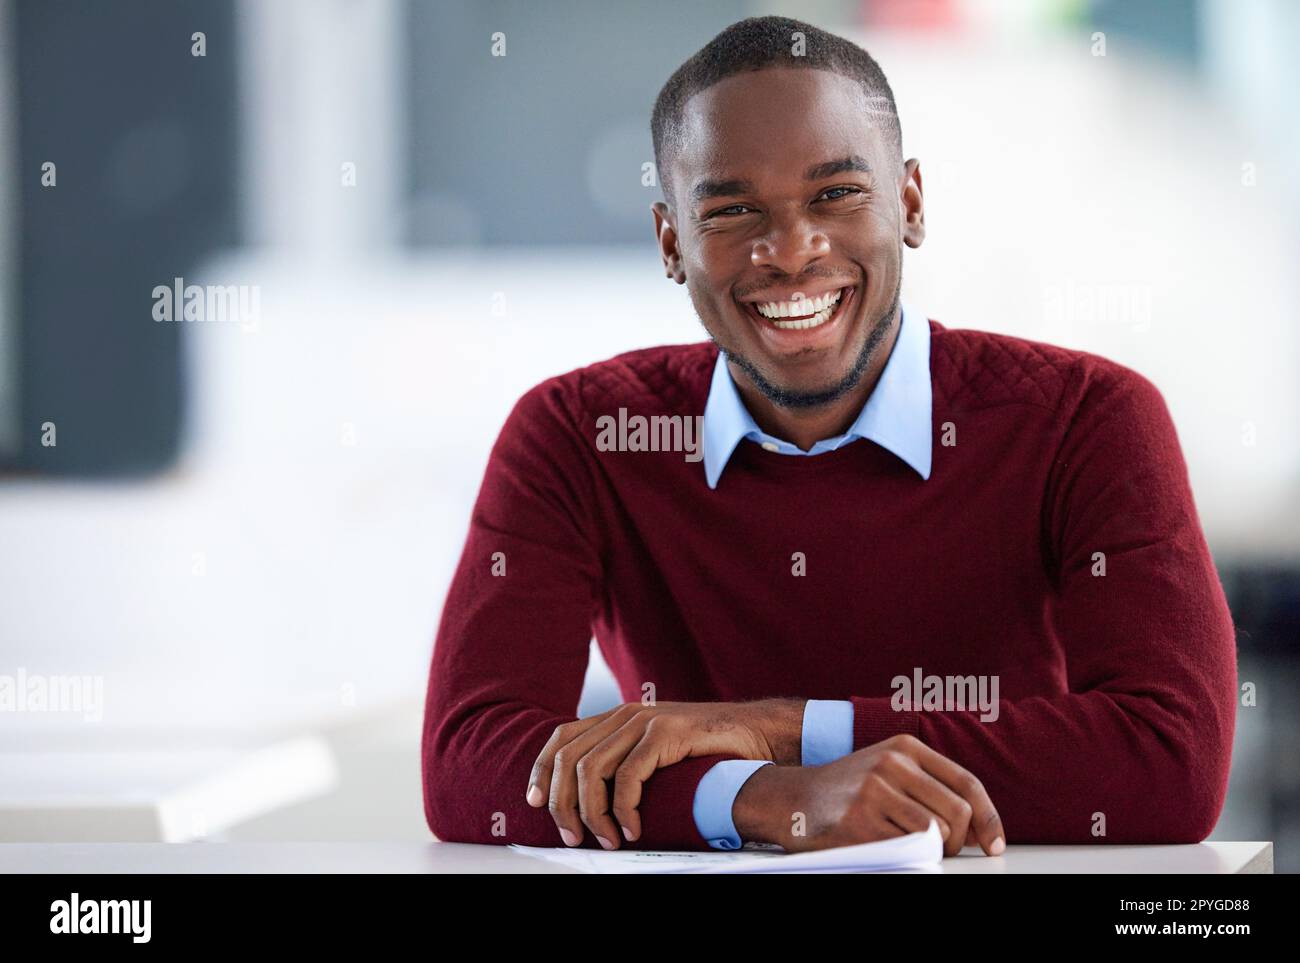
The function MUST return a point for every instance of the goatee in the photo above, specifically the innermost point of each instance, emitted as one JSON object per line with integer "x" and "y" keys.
{"x": 793, "y": 398}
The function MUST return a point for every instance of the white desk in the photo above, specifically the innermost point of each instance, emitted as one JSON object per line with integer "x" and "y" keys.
{"x": 436, "y": 857}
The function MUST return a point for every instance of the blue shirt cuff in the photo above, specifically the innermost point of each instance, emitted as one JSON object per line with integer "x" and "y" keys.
{"x": 714, "y": 797}
{"x": 827, "y": 730}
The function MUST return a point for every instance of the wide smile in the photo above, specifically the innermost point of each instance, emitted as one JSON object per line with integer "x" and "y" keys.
{"x": 794, "y": 323}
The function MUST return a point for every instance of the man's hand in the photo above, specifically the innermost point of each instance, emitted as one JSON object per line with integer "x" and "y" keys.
{"x": 629, "y": 742}
{"x": 888, "y": 789}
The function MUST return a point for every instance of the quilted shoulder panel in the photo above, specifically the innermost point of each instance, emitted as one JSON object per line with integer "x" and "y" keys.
{"x": 979, "y": 369}
{"x": 668, "y": 378}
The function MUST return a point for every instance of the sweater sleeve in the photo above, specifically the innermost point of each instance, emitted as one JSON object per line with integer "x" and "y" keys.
{"x": 513, "y": 639}
{"x": 1140, "y": 744}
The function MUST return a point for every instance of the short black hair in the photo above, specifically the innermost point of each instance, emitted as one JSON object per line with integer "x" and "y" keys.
{"x": 755, "y": 44}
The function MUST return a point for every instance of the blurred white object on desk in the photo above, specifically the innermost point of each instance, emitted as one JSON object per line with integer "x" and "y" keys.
{"x": 155, "y": 796}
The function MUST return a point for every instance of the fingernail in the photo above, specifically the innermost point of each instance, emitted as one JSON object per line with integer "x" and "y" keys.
{"x": 627, "y": 834}
{"x": 997, "y": 847}
{"x": 604, "y": 843}
{"x": 535, "y": 796}
{"x": 569, "y": 836}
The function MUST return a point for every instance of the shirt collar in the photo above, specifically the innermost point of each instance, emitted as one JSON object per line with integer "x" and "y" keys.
{"x": 897, "y": 416}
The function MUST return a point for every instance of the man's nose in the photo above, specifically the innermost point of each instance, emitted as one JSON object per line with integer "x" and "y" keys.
{"x": 790, "y": 245}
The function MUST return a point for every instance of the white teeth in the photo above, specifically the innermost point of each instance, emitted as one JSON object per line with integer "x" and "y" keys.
{"x": 799, "y": 309}
{"x": 821, "y": 317}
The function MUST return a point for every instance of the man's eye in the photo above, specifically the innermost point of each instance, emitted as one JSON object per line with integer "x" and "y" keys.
{"x": 847, "y": 190}
{"x": 733, "y": 207}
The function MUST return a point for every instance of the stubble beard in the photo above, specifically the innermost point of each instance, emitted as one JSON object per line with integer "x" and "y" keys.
{"x": 794, "y": 398}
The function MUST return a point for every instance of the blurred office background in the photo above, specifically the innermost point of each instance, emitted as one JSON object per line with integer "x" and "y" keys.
{"x": 245, "y": 527}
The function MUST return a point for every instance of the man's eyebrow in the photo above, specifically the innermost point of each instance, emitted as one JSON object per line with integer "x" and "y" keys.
{"x": 705, "y": 189}
{"x": 830, "y": 168}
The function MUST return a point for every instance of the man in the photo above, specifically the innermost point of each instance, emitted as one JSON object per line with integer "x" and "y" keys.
{"x": 918, "y": 573}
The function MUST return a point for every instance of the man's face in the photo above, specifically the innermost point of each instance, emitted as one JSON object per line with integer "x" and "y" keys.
{"x": 753, "y": 234}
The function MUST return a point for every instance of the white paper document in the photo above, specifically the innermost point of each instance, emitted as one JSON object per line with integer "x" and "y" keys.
{"x": 915, "y": 852}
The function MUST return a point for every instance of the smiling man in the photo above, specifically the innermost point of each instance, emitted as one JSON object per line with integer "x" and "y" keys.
{"x": 889, "y": 516}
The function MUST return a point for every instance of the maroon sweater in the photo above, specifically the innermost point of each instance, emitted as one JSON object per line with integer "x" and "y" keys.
{"x": 1117, "y": 690}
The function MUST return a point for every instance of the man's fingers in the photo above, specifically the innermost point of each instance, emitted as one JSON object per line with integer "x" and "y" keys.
{"x": 908, "y": 814}
{"x": 985, "y": 823}
{"x": 599, "y": 764}
{"x": 539, "y": 780}
{"x": 955, "y": 811}
{"x": 657, "y": 748}
{"x": 882, "y": 828}
{"x": 563, "y": 798}
{"x": 638, "y": 766}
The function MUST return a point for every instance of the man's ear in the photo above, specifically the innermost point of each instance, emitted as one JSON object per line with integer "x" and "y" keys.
{"x": 666, "y": 234}
{"x": 913, "y": 204}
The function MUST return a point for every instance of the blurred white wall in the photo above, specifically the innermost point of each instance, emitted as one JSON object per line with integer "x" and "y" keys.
{"x": 321, "y": 87}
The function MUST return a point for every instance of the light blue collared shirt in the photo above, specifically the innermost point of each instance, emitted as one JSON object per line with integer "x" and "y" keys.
{"x": 897, "y": 416}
